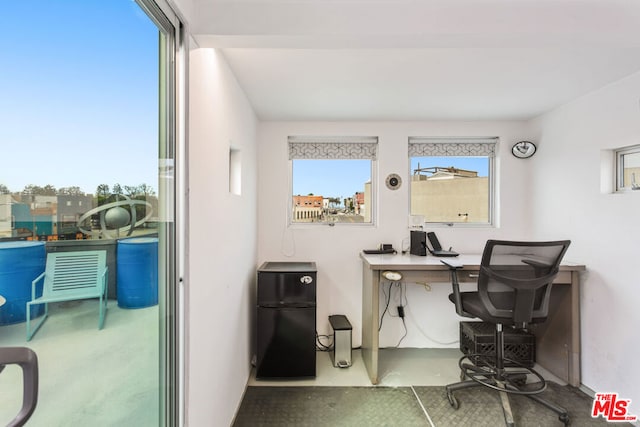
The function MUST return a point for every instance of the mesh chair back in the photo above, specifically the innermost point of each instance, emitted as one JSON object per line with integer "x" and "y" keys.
{"x": 515, "y": 278}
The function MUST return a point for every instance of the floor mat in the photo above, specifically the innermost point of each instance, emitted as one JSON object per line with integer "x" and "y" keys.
{"x": 482, "y": 408}
{"x": 330, "y": 406}
{"x": 398, "y": 406}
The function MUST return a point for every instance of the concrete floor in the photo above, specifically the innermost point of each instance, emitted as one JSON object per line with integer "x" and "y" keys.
{"x": 88, "y": 377}
{"x": 398, "y": 367}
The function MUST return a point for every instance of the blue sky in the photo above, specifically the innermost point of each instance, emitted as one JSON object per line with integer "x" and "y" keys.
{"x": 79, "y": 85}
{"x": 330, "y": 178}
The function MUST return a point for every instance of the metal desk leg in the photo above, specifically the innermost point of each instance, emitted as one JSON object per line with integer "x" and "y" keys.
{"x": 370, "y": 308}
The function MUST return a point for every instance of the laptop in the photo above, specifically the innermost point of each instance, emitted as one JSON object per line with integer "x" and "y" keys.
{"x": 436, "y": 248}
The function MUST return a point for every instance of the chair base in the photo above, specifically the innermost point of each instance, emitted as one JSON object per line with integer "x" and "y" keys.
{"x": 505, "y": 381}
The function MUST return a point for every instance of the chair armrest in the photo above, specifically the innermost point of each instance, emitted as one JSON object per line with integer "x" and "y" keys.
{"x": 454, "y": 266}
{"x": 28, "y": 361}
{"x": 104, "y": 276}
{"x": 33, "y": 285}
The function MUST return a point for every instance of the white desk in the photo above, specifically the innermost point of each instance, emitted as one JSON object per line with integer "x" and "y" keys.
{"x": 557, "y": 339}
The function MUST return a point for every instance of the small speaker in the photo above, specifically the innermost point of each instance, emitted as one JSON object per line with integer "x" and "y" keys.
{"x": 418, "y": 243}
{"x": 393, "y": 181}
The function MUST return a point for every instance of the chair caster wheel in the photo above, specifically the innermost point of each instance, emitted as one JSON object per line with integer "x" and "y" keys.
{"x": 452, "y": 400}
{"x": 564, "y": 418}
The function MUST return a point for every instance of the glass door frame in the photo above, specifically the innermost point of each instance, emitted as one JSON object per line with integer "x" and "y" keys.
{"x": 172, "y": 160}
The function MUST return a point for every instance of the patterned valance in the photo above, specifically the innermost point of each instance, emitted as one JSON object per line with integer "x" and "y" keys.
{"x": 333, "y": 147}
{"x": 440, "y": 147}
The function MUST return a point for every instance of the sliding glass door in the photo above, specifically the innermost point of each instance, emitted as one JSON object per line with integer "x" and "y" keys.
{"x": 91, "y": 143}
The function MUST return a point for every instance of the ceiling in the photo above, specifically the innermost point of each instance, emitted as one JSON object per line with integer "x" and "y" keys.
{"x": 420, "y": 59}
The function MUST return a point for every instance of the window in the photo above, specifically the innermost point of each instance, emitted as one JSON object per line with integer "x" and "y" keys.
{"x": 628, "y": 168}
{"x": 452, "y": 179}
{"x": 331, "y": 179}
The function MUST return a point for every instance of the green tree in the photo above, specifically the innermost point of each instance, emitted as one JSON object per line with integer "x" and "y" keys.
{"x": 334, "y": 201}
{"x": 71, "y": 191}
{"x": 32, "y": 189}
{"x": 145, "y": 190}
{"x": 130, "y": 190}
{"x": 117, "y": 189}
{"x": 49, "y": 190}
{"x": 102, "y": 190}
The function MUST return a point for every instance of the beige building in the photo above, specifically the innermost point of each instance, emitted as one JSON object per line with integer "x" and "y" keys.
{"x": 5, "y": 215}
{"x": 632, "y": 177}
{"x": 450, "y": 195}
{"x": 365, "y": 208}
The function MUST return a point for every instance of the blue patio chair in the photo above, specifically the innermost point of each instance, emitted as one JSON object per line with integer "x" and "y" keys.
{"x": 70, "y": 276}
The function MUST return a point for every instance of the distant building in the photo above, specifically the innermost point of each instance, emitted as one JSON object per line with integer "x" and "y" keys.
{"x": 358, "y": 201}
{"x": 349, "y": 204}
{"x": 365, "y": 209}
{"x": 307, "y": 208}
{"x": 35, "y": 215}
{"x": 6, "y": 217}
{"x": 450, "y": 195}
{"x": 70, "y": 209}
{"x": 632, "y": 177}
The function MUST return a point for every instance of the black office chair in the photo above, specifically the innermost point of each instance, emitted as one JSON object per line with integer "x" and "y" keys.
{"x": 514, "y": 287}
{"x": 28, "y": 361}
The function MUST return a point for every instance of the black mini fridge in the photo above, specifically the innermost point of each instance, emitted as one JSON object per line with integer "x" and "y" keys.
{"x": 286, "y": 329}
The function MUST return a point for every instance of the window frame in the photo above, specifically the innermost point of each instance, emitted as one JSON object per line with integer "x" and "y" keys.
{"x": 339, "y": 140}
{"x": 619, "y": 167}
{"x": 456, "y": 146}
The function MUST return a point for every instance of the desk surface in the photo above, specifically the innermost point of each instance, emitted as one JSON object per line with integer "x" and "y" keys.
{"x": 415, "y": 262}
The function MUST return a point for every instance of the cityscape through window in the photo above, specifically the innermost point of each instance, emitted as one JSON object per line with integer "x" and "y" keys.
{"x": 330, "y": 191}
{"x": 451, "y": 179}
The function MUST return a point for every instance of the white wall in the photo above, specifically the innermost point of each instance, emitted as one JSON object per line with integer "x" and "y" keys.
{"x": 567, "y": 201}
{"x": 223, "y": 230}
{"x": 336, "y": 249}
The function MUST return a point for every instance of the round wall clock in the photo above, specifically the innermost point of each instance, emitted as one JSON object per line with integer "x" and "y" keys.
{"x": 393, "y": 181}
{"x": 523, "y": 149}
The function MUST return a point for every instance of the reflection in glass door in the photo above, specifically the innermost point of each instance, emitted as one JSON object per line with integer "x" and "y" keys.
{"x": 88, "y": 148}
